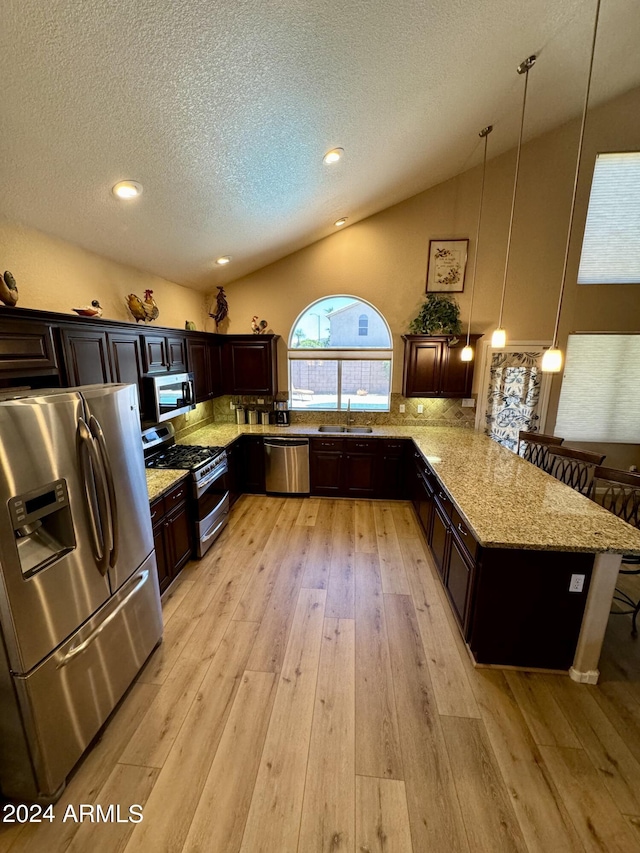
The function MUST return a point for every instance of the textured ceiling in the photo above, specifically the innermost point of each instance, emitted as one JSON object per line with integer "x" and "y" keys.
{"x": 223, "y": 110}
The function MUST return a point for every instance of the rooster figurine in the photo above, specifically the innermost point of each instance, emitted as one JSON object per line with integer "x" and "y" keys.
{"x": 258, "y": 328}
{"x": 8, "y": 289}
{"x": 146, "y": 310}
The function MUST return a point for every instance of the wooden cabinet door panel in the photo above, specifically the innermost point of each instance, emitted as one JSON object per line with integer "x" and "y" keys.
{"x": 438, "y": 541}
{"x": 458, "y": 581}
{"x": 423, "y": 365}
{"x": 126, "y": 359}
{"x": 200, "y": 365}
{"x": 176, "y": 354}
{"x": 179, "y": 533}
{"x": 326, "y": 472}
{"x": 457, "y": 375}
{"x": 155, "y": 354}
{"x": 215, "y": 367}
{"x": 26, "y": 347}
{"x": 360, "y": 474}
{"x": 86, "y": 356}
{"x": 164, "y": 578}
{"x": 253, "y": 464}
{"x": 250, "y": 366}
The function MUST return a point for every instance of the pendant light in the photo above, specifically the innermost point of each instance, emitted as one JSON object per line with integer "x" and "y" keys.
{"x": 499, "y": 337}
{"x": 552, "y": 358}
{"x": 467, "y": 351}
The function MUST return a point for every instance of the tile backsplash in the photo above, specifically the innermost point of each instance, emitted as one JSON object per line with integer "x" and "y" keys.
{"x": 436, "y": 412}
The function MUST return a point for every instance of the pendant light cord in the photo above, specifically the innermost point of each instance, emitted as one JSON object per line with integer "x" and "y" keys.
{"x": 576, "y": 178}
{"x": 484, "y": 133}
{"x": 523, "y": 68}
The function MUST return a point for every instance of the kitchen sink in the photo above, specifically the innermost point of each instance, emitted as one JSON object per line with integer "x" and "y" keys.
{"x": 338, "y": 428}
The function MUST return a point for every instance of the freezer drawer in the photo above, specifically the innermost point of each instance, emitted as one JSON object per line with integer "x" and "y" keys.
{"x": 67, "y": 698}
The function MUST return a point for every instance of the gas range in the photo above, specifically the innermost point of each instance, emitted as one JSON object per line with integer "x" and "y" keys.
{"x": 208, "y": 469}
{"x": 201, "y": 461}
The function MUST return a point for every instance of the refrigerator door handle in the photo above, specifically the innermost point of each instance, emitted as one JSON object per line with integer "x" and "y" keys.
{"x": 93, "y": 636}
{"x": 86, "y": 448}
{"x": 96, "y": 431}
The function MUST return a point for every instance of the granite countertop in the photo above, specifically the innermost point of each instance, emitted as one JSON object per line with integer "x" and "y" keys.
{"x": 506, "y": 501}
{"x": 160, "y": 480}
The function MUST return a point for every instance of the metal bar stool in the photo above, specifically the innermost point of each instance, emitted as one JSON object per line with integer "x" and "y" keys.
{"x": 534, "y": 447}
{"x": 619, "y": 492}
{"x": 574, "y": 467}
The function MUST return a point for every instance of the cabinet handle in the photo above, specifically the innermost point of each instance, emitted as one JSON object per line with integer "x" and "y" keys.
{"x": 153, "y": 514}
{"x": 462, "y": 530}
{"x": 442, "y": 496}
{"x": 177, "y": 496}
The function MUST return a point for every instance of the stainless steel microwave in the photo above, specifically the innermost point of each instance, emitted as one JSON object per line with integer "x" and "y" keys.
{"x": 171, "y": 394}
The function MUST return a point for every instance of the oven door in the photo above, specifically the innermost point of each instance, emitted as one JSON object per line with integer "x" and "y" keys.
{"x": 212, "y": 508}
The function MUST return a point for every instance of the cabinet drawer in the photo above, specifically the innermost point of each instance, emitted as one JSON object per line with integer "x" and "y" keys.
{"x": 443, "y": 499}
{"x": 327, "y": 444}
{"x": 394, "y": 445}
{"x": 157, "y": 510}
{"x": 464, "y": 535}
{"x": 361, "y": 445}
{"x": 175, "y": 496}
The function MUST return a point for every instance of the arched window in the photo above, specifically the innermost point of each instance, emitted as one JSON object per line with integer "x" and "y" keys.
{"x": 340, "y": 355}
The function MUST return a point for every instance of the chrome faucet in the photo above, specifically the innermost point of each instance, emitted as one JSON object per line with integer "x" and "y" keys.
{"x": 350, "y": 420}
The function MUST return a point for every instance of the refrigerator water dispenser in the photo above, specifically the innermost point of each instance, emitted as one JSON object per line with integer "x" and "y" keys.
{"x": 42, "y": 526}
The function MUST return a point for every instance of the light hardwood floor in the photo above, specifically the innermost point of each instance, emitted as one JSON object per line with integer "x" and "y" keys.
{"x": 313, "y": 694}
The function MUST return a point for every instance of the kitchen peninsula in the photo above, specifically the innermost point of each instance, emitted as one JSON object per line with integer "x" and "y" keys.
{"x": 507, "y": 539}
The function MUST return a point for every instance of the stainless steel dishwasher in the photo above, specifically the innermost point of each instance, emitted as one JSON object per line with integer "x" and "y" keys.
{"x": 286, "y": 463}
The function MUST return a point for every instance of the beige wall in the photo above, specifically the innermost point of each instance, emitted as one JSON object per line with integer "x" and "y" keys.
{"x": 383, "y": 258}
{"x": 53, "y": 275}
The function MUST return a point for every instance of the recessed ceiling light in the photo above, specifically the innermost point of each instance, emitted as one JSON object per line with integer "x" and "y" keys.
{"x": 127, "y": 189}
{"x": 340, "y": 221}
{"x": 333, "y": 156}
{"x": 223, "y": 260}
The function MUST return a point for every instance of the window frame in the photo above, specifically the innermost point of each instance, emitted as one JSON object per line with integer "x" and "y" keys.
{"x": 339, "y": 355}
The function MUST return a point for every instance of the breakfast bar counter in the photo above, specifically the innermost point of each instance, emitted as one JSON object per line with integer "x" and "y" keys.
{"x": 529, "y": 564}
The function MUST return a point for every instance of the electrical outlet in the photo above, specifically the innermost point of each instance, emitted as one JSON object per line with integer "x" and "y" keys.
{"x": 577, "y": 583}
{"x": 260, "y": 401}
{"x": 402, "y": 408}
{"x": 420, "y": 408}
{"x": 469, "y": 403}
{"x": 231, "y": 406}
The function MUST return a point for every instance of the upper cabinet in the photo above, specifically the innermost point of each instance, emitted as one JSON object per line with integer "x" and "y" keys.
{"x": 250, "y": 365}
{"x": 203, "y": 355}
{"x": 26, "y": 348}
{"x": 433, "y": 367}
{"x": 86, "y": 356}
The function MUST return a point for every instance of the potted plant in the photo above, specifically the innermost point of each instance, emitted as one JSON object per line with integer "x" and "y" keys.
{"x": 438, "y": 315}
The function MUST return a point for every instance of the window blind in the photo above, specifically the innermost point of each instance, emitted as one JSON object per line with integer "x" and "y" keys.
{"x": 611, "y": 244}
{"x": 600, "y": 394}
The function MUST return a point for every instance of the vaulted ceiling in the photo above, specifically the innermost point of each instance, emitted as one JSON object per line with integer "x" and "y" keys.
{"x": 223, "y": 111}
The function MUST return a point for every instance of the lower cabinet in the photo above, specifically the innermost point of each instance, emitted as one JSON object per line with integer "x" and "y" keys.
{"x": 253, "y": 464}
{"x": 358, "y": 468}
{"x": 514, "y": 606}
{"x": 235, "y": 465}
{"x": 172, "y": 533}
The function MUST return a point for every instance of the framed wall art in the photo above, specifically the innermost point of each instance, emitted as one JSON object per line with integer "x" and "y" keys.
{"x": 446, "y": 266}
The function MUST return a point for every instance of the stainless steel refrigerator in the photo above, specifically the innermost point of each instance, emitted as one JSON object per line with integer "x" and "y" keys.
{"x": 79, "y": 602}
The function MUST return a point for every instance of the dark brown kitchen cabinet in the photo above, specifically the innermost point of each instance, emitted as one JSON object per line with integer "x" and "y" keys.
{"x": 26, "y": 349}
{"x": 325, "y": 466}
{"x": 439, "y": 539}
{"x": 458, "y": 583}
{"x": 125, "y": 354}
{"x": 155, "y": 354}
{"x": 392, "y": 469}
{"x": 433, "y": 366}
{"x": 360, "y": 469}
{"x": 86, "y": 356}
{"x": 250, "y": 365}
{"x": 253, "y": 464}
{"x": 203, "y": 359}
{"x": 172, "y": 534}
{"x": 235, "y": 478}
{"x": 176, "y": 354}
